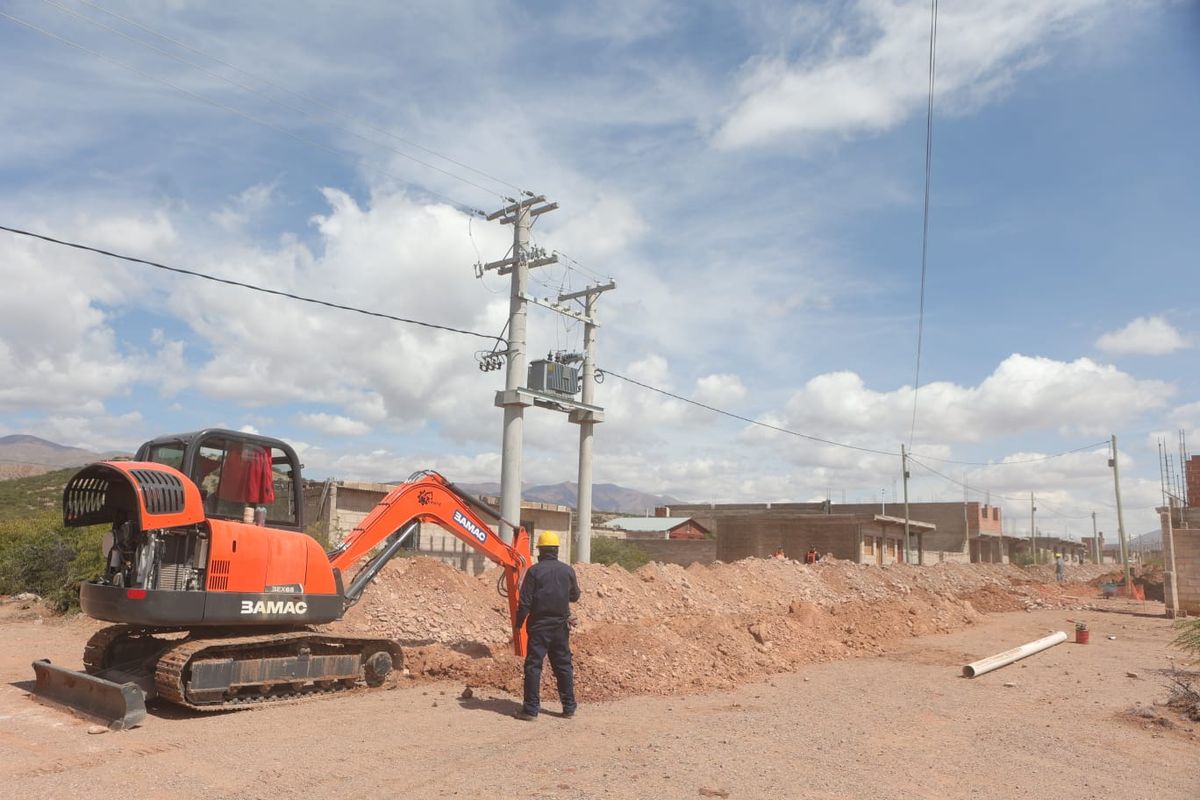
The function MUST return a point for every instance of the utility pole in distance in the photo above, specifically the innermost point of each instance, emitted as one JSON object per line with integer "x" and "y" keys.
{"x": 1112, "y": 462}
{"x": 586, "y": 418}
{"x": 518, "y": 214}
{"x": 1032, "y": 530}
{"x": 904, "y": 475}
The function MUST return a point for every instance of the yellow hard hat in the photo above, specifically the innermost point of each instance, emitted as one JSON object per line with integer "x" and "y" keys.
{"x": 547, "y": 539}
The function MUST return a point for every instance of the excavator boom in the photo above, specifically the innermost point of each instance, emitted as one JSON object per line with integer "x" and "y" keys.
{"x": 429, "y": 497}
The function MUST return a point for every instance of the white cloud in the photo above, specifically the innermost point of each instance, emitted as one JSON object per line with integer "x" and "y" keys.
{"x": 874, "y": 74}
{"x": 720, "y": 390}
{"x": 98, "y": 432}
{"x": 245, "y": 207}
{"x": 1023, "y": 394}
{"x": 333, "y": 424}
{"x": 1150, "y": 336}
{"x": 59, "y": 350}
{"x": 621, "y": 21}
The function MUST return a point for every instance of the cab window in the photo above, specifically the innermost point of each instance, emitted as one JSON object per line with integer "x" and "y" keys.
{"x": 235, "y": 475}
{"x": 169, "y": 454}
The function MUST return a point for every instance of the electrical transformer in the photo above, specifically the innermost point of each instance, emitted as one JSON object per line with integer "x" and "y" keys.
{"x": 551, "y": 376}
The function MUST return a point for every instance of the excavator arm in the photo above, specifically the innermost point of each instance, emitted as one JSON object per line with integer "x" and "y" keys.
{"x": 428, "y": 497}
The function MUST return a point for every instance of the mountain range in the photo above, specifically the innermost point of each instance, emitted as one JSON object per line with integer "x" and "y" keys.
{"x": 606, "y": 497}
{"x": 22, "y": 456}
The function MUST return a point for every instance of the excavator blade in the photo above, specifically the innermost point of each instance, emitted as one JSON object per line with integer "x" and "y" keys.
{"x": 120, "y": 706}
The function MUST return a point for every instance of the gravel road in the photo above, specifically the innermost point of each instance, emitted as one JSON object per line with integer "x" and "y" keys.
{"x": 901, "y": 724}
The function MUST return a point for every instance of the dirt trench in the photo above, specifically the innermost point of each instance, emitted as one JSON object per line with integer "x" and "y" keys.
{"x": 668, "y": 630}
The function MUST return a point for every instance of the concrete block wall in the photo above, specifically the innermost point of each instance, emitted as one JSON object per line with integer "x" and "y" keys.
{"x": 759, "y": 535}
{"x": 1187, "y": 565}
{"x": 679, "y": 551}
{"x": 950, "y": 536}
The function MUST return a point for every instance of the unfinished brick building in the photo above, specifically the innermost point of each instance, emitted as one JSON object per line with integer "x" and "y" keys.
{"x": 949, "y": 531}
{"x": 746, "y": 530}
{"x": 1181, "y": 535}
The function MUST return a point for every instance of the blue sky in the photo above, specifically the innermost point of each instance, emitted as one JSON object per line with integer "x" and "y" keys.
{"x": 751, "y": 177}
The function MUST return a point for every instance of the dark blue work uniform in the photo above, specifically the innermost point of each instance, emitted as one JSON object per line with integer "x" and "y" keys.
{"x": 547, "y": 592}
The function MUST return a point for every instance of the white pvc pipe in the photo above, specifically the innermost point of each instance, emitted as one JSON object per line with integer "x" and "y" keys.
{"x": 1009, "y": 656}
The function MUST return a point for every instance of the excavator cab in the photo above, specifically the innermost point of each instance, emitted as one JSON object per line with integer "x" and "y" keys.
{"x": 236, "y": 471}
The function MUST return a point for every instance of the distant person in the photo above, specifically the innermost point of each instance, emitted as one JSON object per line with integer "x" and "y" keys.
{"x": 779, "y": 553}
{"x": 1060, "y": 568}
{"x": 549, "y": 588}
{"x": 812, "y": 556}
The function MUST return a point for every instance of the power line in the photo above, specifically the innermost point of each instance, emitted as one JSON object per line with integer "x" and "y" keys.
{"x": 587, "y": 272}
{"x": 759, "y": 423}
{"x": 831, "y": 442}
{"x": 250, "y": 286}
{"x": 451, "y": 329}
{"x": 966, "y": 486}
{"x": 1043, "y": 506}
{"x": 270, "y": 99}
{"x": 925, "y": 215}
{"x": 989, "y": 464}
{"x": 231, "y": 109}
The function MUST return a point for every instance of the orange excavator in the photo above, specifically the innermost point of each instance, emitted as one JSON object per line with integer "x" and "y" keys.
{"x": 216, "y": 589}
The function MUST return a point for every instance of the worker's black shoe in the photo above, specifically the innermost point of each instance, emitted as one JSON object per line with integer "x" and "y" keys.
{"x": 568, "y": 714}
{"x": 525, "y": 717}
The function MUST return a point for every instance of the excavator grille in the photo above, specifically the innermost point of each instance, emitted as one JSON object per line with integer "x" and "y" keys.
{"x": 218, "y": 575}
{"x": 163, "y": 492}
{"x": 83, "y": 496}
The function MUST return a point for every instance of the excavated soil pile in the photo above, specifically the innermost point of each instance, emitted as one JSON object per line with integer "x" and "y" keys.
{"x": 665, "y": 629}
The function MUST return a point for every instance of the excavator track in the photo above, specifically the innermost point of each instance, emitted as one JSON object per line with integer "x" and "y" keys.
{"x": 104, "y": 647}
{"x": 218, "y": 673}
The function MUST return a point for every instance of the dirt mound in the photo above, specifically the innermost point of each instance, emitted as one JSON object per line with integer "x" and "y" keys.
{"x": 422, "y": 600}
{"x": 666, "y": 629}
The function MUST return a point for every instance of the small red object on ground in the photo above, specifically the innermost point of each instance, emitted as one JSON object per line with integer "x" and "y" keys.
{"x": 1082, "y": 634}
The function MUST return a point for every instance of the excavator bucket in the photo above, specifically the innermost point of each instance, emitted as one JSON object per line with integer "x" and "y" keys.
{"x": 120, "y": 706}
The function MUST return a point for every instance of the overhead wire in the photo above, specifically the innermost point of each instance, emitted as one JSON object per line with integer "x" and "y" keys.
{"x": 250, "y": 286}
{"x": 233, "y": 110}
{"x": 451, "y": 329}
{"x": 962, "y": 484}
{"x": 749, "y": 420}
{"x": 1013, "y": 461}
{"x": 925, "y": 215}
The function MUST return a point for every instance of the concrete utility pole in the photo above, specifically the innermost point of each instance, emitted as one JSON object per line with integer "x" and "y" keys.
{"x": 587, "y": 419}
{"x": 519, "y": 215}
{"x": 904, "y": 475}
{"x": 1032, "y": 530}
{"x": 1096, "y": 541}
{"x": 1112, "y": 462}
{"x": 1170, "y": 582}
{"x": 967, "y": 523}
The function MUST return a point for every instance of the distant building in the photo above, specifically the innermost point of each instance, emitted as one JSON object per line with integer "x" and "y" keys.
{"x": 964, "y": 532}
{"x": 655, "y": 528}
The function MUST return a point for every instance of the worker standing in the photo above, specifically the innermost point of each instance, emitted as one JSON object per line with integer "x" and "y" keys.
{"x": 549, "y": 588}
{"x": 1060, "y": 568}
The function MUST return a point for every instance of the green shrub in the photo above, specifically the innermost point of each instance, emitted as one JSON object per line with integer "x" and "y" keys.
{"x": 606, "y": 550}
{"x": 39, "y": 554}
{"x": 1188, "y": 638}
